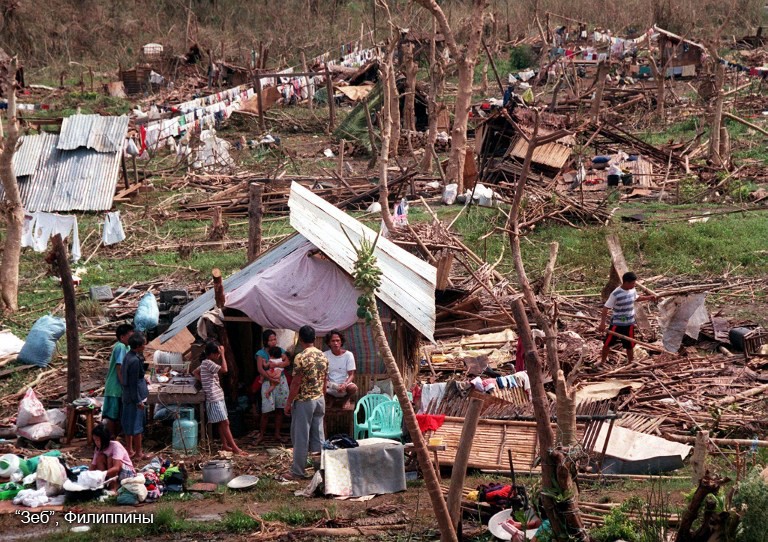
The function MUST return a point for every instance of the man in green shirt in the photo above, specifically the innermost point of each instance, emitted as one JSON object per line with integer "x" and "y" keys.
{"x": 113, "y": 390}
{"x": 306, "y": 402}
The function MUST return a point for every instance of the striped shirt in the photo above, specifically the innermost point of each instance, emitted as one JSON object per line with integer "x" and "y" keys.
{"x": 623, "y": 304}
{"x": 209, "y": 376}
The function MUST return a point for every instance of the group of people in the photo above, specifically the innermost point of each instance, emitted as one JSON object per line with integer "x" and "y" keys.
{"x": 300, "y": 395}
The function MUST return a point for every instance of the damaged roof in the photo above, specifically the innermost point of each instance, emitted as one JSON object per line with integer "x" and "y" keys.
{"x": 102, "y": 134}
{"x": 408, "y": 283}
{"x": 76, "y": 170}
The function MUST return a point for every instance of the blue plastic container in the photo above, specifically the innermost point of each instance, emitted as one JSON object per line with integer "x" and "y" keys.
{"x": 185, "y": 431}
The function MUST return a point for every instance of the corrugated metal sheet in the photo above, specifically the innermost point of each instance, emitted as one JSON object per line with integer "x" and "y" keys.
{"x": 102, "y": 134}
{"x": 27, "y": 155}
{"x": 408, "y": 283}
{"x": 553, "y": 155}
{"x": 195, "y": 309}
{"x": 76, "y": 180}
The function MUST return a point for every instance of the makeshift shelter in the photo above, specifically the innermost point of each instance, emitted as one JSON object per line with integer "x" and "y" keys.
{"x": 76, "y": 170}
{"x": 680, "y": 57}
{"x": 306, "y": 280}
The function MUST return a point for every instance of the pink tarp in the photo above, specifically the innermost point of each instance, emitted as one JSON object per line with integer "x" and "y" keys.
{"x": 299, "y": 290}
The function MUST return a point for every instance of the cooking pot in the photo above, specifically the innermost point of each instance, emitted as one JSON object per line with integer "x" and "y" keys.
{"x": 218, "y": 471}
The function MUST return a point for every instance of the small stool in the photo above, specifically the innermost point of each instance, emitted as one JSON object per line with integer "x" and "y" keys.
{"x": 73, "y": 413}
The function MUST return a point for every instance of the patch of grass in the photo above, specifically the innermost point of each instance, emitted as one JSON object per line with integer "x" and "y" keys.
{"x": 239, "y": 522}
{"x": 294, "y": 517}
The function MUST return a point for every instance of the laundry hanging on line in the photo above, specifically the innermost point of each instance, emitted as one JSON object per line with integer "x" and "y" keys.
{"x": 40, "y": 226}
{"x": 113, "y": 229}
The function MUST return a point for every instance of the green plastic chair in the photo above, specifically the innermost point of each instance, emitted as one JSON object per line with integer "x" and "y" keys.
{"x": 387, "y": 421}
{"x": 366, "y": 404}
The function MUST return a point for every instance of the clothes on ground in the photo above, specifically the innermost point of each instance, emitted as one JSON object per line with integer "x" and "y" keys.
{"x": 307, "y": 432}
{"x": 622, "y": 303}
{"x": 629, "y": 331}
{"x": 39, "y": 227}
{"x": 430, "y": 422}
{"x": 113, "y": 229}
{"x": 313, "y": 367}
{"x": 376, "y": 467}
{"x": 112, "y": 387}
{"x": 339, "y": 366}
{"x": 499, "y": 495}
{"x": 209, "y": 376}
{"x": 216, "y": 411}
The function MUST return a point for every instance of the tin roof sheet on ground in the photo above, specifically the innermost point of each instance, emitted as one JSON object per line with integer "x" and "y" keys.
{"x": 102, "y": 134}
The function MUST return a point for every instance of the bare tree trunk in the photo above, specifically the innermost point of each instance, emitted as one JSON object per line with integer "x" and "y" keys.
{"x": 447, "y": 532}
{"x": 387, "y": 76}
{"x": 465, "y": 59}
{"x": 553, "y": 461}
{"x": 602, "y": 73}
{"x": 410, "y": 69}
{"x": 394, "y": 111}
{"x": 14, "y": 209}
{"x": 436, "y": 85}
{"x": 70, "y": 313}
{"x": 717, "y": 116}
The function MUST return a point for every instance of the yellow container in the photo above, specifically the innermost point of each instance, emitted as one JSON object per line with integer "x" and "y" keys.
{"x": 435, "y": 441}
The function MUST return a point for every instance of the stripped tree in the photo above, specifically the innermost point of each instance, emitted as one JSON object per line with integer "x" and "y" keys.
{"x": 367, "y": 275}
{"x": 13, "y": 208}
{"x": 465, "y": 58}
{"x": 558, "y": 455}
{"x": 436, "y": 88}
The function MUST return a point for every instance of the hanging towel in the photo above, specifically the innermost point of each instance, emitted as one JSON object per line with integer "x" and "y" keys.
{"x": 39, "y": 227}
{"x": 113, "y": 229}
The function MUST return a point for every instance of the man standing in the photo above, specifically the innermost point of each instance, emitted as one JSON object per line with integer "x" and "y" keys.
{"x": 622, "y": 303}
{"x": 134, "y": 395}
{"x": 341, "y": 369}
{"x": 113, "y": 387}
{"x": 306, "y": 403}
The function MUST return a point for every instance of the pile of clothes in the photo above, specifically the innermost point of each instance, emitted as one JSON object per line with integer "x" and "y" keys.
{"x": 155, "y": 479}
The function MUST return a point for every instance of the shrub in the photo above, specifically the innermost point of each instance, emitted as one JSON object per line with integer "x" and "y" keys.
{"x": 521, "y": 57}
{"x": 617, "y": 526}
{"x": 751, "y": 501}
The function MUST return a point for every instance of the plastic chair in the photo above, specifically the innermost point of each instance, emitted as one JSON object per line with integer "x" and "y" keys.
{"x": 387, "y": 421}
{"x": 367, "y": 403}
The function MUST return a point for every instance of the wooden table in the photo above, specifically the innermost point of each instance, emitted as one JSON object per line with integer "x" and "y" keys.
{"x": 157, "y": 395}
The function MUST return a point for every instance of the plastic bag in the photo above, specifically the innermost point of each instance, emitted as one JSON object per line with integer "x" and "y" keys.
{"x": 31, "y": 410}
{"x": 400, "y": 213}
{"x": 57, "y": 416}
{"x": 10, "y": 343}
{"x": 40, "y": 432}
{"x": 449, "y": 193}
{"x": 148, "y": 313}
{"x": 41, "y": 341}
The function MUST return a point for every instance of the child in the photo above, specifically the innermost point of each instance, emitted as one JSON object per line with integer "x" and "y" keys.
{"x": 113, "y": 390}
{"x": 622, "y": 304}
{"x": 215, "y": 406}
{"x": 109, "y": 455}
{"x": 274, "y": 371}
{"x": 134, "y": 385}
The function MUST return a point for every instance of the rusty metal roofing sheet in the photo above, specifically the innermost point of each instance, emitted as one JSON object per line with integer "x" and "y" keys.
{"x": 28, "y": 153}
{"x": 102, "y": 134}
{"x": 407, "y": 282}
{"x": 70, "y": 180}
{"x": 553, "y": 155}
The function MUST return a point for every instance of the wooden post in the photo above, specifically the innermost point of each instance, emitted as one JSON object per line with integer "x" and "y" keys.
{"x": 125, "y": 172}
{"x": 699, "y": 459}
{"x": 260, "y": 100}
{"x": 717, "y": 117}
{"x": 331, "y": 104}
{"x": 459, "y": 472}
{"x": 70, "y": 316}
{"x": 340, "y": 167}
{"x": 602, "y": 73}
{"x": 255, "y": 214}
{"x": 310, "y": 96}
{"x": 493, "y": 67}
{"x": 218, "y": 293}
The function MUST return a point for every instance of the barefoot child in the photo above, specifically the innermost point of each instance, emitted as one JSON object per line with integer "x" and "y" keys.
{"x": 275, "y": 368}
{"x": 215, "y": 406}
